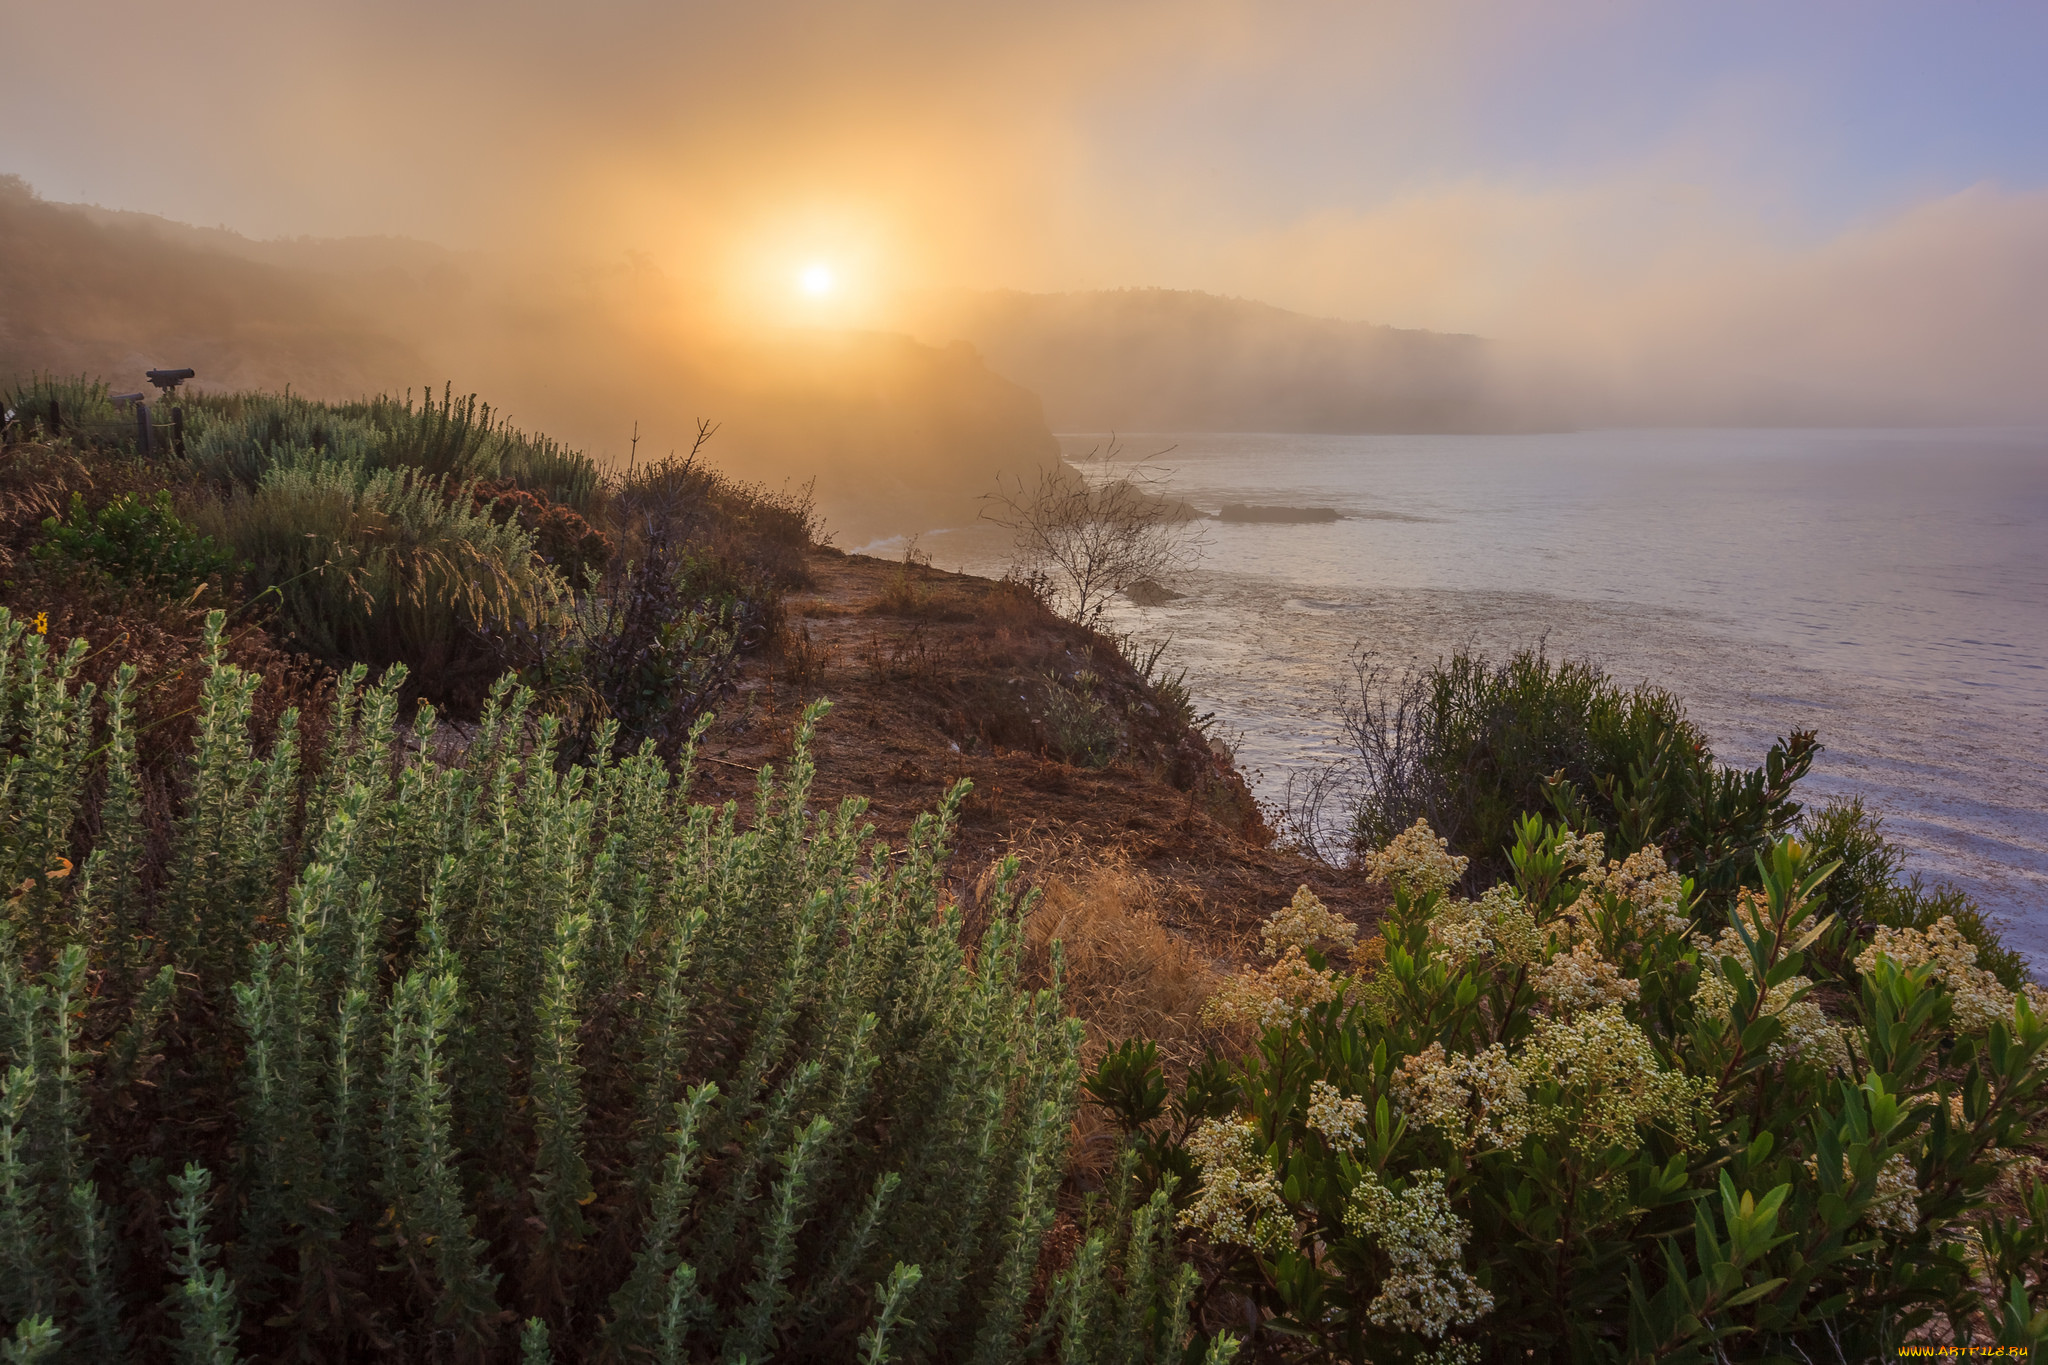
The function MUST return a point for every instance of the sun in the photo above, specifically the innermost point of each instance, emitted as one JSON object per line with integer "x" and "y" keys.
{"x": 816, "y": 279}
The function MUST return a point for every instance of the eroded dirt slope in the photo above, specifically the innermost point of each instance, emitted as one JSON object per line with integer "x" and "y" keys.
{"x": 935, "y": 676}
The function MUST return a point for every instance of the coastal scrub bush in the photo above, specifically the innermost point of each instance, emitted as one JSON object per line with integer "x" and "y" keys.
{"x": 1169, "y": 688}
{"x": 1870, "y": 889}
{"x": 1083, "y": 727}
{"x": 697, "y": 576}
{"x": 47, "y": 406}
{"x": 458, "y": 1052}
{"x": 1581, "y": 1117}
{"x": 1470, "y": 746}
{"x": 135, "y": 541}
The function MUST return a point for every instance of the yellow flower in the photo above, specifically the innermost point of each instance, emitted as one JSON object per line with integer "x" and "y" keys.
{"x": 42, "y": 623}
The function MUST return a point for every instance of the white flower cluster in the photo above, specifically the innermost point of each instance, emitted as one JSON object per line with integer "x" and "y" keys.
{"x": 1337, "y": 1116}
{"x": 1892, "y": 1205}
{"x": 1291, "y": 987}
{"x": 1428, "y": 1288}
{"x": 1754, "y": 913}
{"x": 1582, "y": 850}
{"x": 1474, "y": 1101}
{"x": 1582, "y": 980}
{"x": 1511, "y": 921}
{"x": 1417, "y": 860}
{"x": 1302, "y": 923}
{"x": 1282, "y": 993}
{"x": 1240, "y": 1200}
{"x": 1809, "y": 1033}
{"x": 1458, "y": 934}
{"x": 1610, "y": 1078}
{"x": 1979, "y": 997}
{"x": 1499, "y": 922}
{"x": 1451, "y": 1353}
{"x": 1646, "y": 882}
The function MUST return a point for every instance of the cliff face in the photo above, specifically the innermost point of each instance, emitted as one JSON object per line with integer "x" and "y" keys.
{"x": 936, "y": 676}
{"x": 1171, "y": 360}
{"x": 899, "y": 436}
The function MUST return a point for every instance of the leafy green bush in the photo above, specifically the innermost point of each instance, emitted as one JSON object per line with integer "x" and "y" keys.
{"x": 1868, "y": 890}
{"x": 375, "y": 1062}
{"x": 137, "y": 541}
{"x": 1561, "y": 1121}
{"x": 1470, "y": 745}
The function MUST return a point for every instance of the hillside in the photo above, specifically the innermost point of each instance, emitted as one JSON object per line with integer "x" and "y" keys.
{"x": 1175, "y": 360}
{"x": 628, "y": 1007}
{"x": 112, "y": 295}
{"x": 899, "y": 436}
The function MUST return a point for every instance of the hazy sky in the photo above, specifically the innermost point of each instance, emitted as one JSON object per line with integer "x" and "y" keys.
{"x": 1605, "y": 174}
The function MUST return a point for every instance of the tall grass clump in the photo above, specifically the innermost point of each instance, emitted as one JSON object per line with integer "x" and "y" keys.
{"x": 237, "y": 437}
{"x": 382, "y": 564}
{"x": 1471, "y": 745}
{"x": 1587, "y": 1117}
{"x": 404, "y": 1056}
{"x": 46, "y": 405}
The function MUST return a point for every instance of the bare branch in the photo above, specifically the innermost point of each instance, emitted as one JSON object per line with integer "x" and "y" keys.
{"x": 1085, "y": 533}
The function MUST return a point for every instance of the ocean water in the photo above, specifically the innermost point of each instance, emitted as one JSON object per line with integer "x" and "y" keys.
{"x": 1888, "y": 589}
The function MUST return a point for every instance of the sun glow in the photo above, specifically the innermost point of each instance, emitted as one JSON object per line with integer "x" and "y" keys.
{"x": 816, "y": 280}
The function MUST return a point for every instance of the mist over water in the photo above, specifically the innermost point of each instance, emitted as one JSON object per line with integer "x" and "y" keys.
{"x": 1888, "y": 589}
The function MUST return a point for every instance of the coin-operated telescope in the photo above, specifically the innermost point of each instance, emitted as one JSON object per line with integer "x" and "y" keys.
{"x": 167, "y": 382}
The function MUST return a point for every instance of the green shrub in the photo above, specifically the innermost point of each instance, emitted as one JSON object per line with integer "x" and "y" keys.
{"x": 237, "y": 438}
{"x": 1558, "y": 1123}
{"x": 136, "y": 541}
{"x": 57, "y": 406}
{"x": 234, "y": 439}
{"x": 1868, "y": 890}
{"x": 1169, "y": 689}
{"x": 379, "y": 1060}
{"x": 1081, "y": 727}
{"x": 1470, "y": 745}
{"x": 654, "y": 640}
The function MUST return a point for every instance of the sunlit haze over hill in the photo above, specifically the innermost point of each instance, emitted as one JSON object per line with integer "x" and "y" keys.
{"x": 1689, "y": 204}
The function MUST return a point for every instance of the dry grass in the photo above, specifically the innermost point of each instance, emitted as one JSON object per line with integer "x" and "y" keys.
{"x": 1127, "y": 975}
